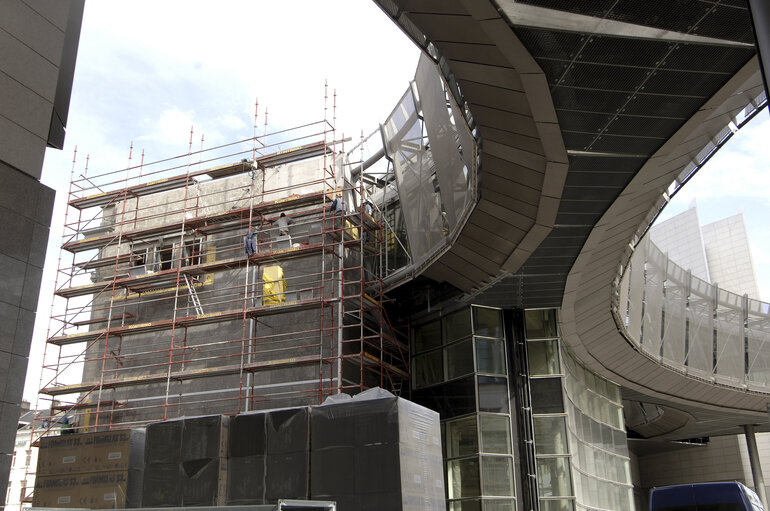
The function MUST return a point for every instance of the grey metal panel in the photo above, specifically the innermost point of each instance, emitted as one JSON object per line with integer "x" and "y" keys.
{"x": 730, "y": 349}
{"x": 449, "y": 167}
{"x": 674, "y": 327}
{"x": 516, "y": 156}
{"x": 480, "y": 53}
{"x": 494, "y": 96}
{"x": 501, "y": 167}
{"x": 653, "y": 307}
{"x": 476, "y": 229}
{"x": 55, "y": 12}
{"x": 21, "y": 148}
{"x": 25, "y": 24}
{"x": 497, "y": 257}
{"x": 505, "y": 77}
{"x": 502, "y": 119}
{"x": 28, "y": 67}
{"x": 454, "y": 28}
{"x": 636, "y": 280}
{"x": 421, "y": 212}
{"x": 476, "y": 257}
{"x": 701, "y": 327}
{"x": 495, "y": 208}
{"x": 504, "y": 186}
{"x": 499, "y": 227}
{"x": 522, "y": 142}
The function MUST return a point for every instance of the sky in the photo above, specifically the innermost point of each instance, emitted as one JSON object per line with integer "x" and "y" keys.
{"x": 147, "y": 71}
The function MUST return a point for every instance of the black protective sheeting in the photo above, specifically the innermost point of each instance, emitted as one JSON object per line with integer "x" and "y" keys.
{"x": 200, "y": 481}
{"x": 247, "y": 435}
{"x": 288, "y": 431}
{"x": 202, "y": 437}
{"x": 246, "y": 480}
{"x": 269, "y": 456}
{"x": 163, "y": 442}
{"x": 162, "y": 485}
{"x": 387, "y": 448}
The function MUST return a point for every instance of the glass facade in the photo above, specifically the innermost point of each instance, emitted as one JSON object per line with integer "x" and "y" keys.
{"x": 580, "y": 440}
{"x": 459, "y": 367}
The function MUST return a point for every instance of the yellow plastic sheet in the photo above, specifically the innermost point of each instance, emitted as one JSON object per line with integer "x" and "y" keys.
{"x": 274, "y": 287}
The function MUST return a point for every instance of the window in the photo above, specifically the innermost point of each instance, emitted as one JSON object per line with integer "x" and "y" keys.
{"x": 461, "y": 437}
{"x": 457, "y": 325}
{"x": 546, "y": 395}
{"x": 493, "y": 394}
{"x": 428, "y": 369}
{"x": 495, "y": 434}
{"x": 490, "y": 356}
{"x": 487, "y": 322}
{"x": 463, "y": 478}
{"x": 164, "y": 257}
{"x": 497, "y": 476}
{"x": 192, "y": 252}
{"x": 553, "y": 477}
{"x": 427, "y": 337}
{"x": 13, "y": 459}
{"x": 459, "y": 359}
{"x": 28, "y": 461}
{"x": 543, "y": 357}
{"x": 550, "y": 435}
{"x": 541, "y": 323}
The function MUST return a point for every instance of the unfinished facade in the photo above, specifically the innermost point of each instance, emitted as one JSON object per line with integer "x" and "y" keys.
{"x": 220, "y": 288}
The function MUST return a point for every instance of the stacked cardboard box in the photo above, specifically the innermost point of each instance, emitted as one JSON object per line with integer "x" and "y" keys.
{"x": 92, "y": 470}
{"x": 376, "y": 452}
{"x": 186, "y": 463}
{"x": 268, "y": 456}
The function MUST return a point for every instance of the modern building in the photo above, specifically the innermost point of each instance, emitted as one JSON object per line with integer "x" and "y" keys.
{"x": 718, "y": 252}
{"x": 510, "y": 194}
{"x": 38, "y": 48}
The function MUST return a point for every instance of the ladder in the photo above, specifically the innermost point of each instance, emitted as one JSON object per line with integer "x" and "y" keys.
{"x": 193, "y": 296}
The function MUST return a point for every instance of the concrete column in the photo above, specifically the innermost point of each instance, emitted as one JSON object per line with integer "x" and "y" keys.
{"x": 756, "y": 468}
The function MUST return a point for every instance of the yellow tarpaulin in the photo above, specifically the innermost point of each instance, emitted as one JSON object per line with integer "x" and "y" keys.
{"x": 274, "y": 287}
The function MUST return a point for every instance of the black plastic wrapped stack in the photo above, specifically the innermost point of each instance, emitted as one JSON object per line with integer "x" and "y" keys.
{"x": 268, "y": 457}
{"x": 376, "y": 452}
{"x": 186, "y": 462}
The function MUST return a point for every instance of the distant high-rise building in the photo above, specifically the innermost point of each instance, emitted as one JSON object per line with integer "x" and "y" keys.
{"x": 718, "y": 252}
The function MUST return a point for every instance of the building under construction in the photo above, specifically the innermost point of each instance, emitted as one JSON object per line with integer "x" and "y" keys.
{"x": 237, "y": 278}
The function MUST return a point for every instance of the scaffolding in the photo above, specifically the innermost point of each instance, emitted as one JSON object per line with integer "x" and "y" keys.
{"x": 183, "y": 290}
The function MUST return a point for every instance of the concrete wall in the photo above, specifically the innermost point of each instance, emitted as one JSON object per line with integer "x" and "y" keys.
{"x": 38, "y": 45}
{"x": 718, "y": 460}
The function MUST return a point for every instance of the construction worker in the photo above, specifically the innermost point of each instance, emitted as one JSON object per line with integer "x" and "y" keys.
{"x": 337, "y": 205}
{"x": 283, "y": 223}
{"x": 67, "y": 428}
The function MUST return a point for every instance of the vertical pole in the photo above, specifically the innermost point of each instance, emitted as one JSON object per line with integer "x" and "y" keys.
{"x": 756, "y": 467}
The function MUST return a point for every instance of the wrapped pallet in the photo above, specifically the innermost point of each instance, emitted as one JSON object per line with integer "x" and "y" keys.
{"x": 274, "y": 285}
{"x": 376, "y": 452}
{"x": 92, "y": 470}
{"x": 186, "y": 462}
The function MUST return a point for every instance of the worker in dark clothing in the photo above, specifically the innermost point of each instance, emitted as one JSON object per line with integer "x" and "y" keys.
{"x": 67, "y": 428}
{"x": 337, "y": 206}
{"x": 248, "y": 243}
{"x": 283, "y": 223}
